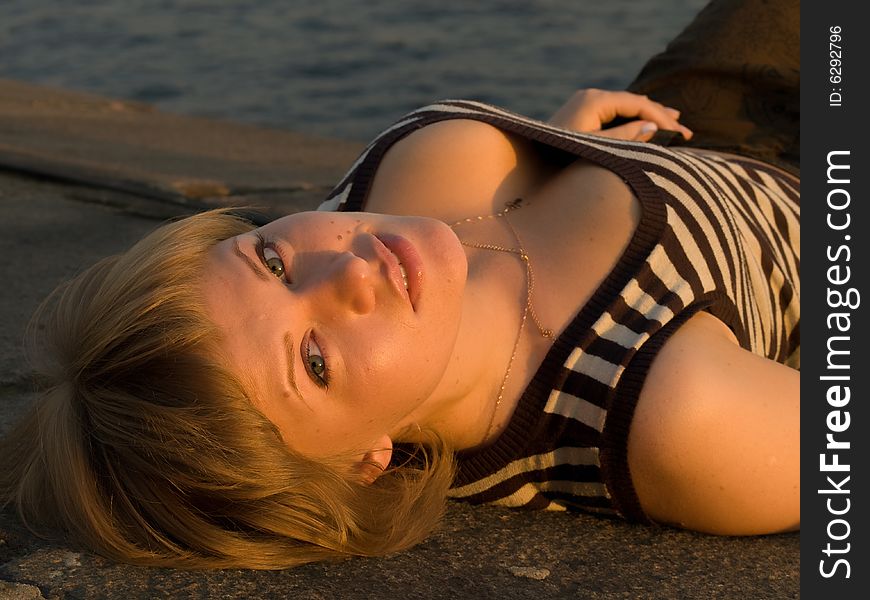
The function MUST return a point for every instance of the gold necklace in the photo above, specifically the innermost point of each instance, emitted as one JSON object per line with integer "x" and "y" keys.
{"x": 530, "y": 286}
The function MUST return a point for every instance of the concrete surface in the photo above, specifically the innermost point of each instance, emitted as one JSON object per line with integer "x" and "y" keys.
{"x": 82, "y": 177}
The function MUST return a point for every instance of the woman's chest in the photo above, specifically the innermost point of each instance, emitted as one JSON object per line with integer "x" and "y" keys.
{"x": 573, "y": 228}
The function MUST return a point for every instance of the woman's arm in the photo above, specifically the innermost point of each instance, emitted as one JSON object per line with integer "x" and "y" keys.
{"x": 715, "y": 441}
{"x": 591, "y": 109}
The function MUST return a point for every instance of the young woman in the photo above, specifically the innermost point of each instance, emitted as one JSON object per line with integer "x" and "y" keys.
{"x": 524, "y": 315}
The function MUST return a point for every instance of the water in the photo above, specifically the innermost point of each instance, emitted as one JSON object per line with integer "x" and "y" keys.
{"x": 333, "y": 67}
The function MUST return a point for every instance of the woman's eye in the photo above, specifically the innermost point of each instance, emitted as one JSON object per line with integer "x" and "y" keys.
{"x": 273, "y": 262}
{"x": 318, "y": 367}
{"x": 316, "y": 363}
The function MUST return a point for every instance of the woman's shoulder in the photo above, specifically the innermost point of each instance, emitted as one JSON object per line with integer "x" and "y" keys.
{"x": 454, "y": 168}
{"x": 714, "y": 442}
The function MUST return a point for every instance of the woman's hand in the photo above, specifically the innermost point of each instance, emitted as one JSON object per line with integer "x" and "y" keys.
{"x": 589, "y": 110}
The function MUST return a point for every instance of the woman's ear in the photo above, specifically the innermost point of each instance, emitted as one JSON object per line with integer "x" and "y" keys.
{"x": 375, "y": 461}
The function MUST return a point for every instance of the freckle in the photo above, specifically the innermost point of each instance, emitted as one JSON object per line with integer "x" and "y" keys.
{"x": 341, "y": 237}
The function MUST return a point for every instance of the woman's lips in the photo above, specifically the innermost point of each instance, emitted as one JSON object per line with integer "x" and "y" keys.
{"x": 404, "y": 256}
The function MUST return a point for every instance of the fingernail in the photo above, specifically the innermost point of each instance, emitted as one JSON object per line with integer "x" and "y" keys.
{"x": 649, "y": 128}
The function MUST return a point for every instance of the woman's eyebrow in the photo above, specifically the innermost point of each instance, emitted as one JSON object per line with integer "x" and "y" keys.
{"x": 290, "y": 349}
{"x": 258, "y": 269}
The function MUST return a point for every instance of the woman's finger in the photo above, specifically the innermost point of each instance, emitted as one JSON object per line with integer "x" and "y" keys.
{"x": 638, "y": 131}
{"x": 663, "y": 116}
{"x": 628, "y": 105}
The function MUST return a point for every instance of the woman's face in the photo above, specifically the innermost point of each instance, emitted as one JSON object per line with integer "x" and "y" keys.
{"x": 340, "y": 324}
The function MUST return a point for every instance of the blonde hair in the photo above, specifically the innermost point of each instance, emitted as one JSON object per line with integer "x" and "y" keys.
{"x": 146, "y": 450}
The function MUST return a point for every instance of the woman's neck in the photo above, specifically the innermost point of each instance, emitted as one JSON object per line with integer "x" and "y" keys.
{"x": 482, "y": 379}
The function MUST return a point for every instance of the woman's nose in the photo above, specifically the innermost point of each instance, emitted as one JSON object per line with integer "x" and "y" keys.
{"x": 349, "y": 281}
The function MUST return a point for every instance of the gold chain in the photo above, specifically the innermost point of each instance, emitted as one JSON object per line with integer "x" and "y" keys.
{"x": 530, "y": 286}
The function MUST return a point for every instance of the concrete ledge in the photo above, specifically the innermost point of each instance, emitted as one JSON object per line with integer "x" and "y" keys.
{"x": 130, "y": 147}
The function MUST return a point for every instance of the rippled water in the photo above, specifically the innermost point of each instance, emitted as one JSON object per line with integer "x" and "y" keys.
{"x": 333, "y": 67}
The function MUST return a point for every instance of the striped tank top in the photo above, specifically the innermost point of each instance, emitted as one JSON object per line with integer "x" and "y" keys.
{"x": 719, "y": 233}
